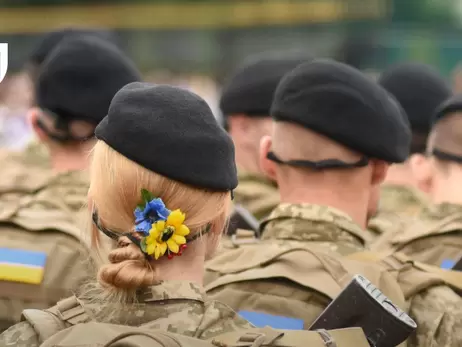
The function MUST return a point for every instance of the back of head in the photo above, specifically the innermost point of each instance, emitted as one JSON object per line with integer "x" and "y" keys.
{"x": 250, "y": 89}
{"x": 77, "y": 83}
{"x": 339, "y": 127}
{"x": 445, "y": 142}
{"x": 246, "y": 101}
{"x": 442, "y": 172}
{"x": 165, "y": 142}
{"x": 340, "y": 103}
{"x": 420, "y": 90}
{"x": 50, "y": 41}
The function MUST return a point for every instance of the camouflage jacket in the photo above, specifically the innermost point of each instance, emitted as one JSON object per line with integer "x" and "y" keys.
{"x": 26, "y": 171}
{"x": 175, "y": 306}
{"x": 256, "y": 193}
{"x": 398, "y": 206}
{"x": 46, "y": 225}
{"x": 431, "y": 298}
{"x": 326, "y": 226}
{"x": 436, "y": 238}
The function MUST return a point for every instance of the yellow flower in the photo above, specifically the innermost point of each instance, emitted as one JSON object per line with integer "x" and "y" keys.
{"x": 168, "y": 234}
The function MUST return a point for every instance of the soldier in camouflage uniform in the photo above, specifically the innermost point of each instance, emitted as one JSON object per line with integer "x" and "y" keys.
{"x": 156, "y": 203}
{"x": 34, "y": 161}
{"x": 436, "y": 238}
{"x": 419, "y": 89}
{"x": 40, "y": 219}
{"x": 245, "y": 103}
{"x": 326, "y": 176}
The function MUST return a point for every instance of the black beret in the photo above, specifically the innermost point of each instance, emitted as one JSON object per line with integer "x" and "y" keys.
{"x": 80, "y": 78}
{"x": 343, "y": 104}
{"x": 50, "y": 40}
{"x": 172, "y": 132}
{"x": 453, "y": 104}
{"x": 251, "y": 88}
{"x": 420, "y": 90}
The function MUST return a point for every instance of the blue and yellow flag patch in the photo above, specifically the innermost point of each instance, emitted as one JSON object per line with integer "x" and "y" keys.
{"x": 18, "y": 265}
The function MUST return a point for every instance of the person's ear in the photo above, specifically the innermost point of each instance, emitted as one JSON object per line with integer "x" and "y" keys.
{"x": 422, "y": 171}
{"x": 267, "y": 166}
{"x": 33, "y": 116}
{"x": 379, "y": 171}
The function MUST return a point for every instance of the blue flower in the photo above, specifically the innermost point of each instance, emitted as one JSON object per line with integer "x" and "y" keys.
{"x": 154, "y": 211}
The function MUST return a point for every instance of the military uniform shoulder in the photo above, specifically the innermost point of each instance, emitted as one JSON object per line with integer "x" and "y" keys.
{"x": 68, "y": 191}
{"x": 403, "y": 200}
{"x": 257, "y": 194}
{"x": 386, "y": 224}
{"x": 19, "y": 175}
{"x": 220, "y": 319}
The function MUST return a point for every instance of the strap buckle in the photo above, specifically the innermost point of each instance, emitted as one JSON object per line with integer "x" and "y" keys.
{"x": 71, "y": 310}
{"x": 327, "y": 338}
{"x": 244, "y": 237}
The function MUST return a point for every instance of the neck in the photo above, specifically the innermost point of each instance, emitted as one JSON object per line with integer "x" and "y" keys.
{"x": 63, "y": 160}
{"x": 400, "y": 175}
{"x": 345, "y": 200}
{"x": 247, "y": 160}
{"x": 447, "y": 189}
{"x": 186, "y": 268}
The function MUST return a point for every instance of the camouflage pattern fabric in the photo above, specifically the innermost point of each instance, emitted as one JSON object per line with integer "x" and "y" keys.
{"x": 306, "y": 222}
{"x": 47, "y": 221}
{"x": 402, "y": 200}
{"x": 431, "y": 302}
{"x": 256, "y": 193}
{"x": 175, "y": 306}
{"x": 262, "y": 278}
{"x": 436, "y": 238}
{"x": 438, "y": 314}
{"x": 26, "y": 171}
{"x": 386, "y": 223}
{"x": 398, "y": 205}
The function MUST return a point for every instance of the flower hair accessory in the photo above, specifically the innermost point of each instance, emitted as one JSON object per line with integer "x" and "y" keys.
{"x": 163, "y": 230}
{"x": 158, "y": 231}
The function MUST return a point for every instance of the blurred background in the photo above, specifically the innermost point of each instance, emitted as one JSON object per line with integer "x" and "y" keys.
{"x": 196, "y": 43}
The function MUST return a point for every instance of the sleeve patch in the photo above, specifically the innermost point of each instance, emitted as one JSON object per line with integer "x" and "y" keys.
{"x": 24, "y": 266}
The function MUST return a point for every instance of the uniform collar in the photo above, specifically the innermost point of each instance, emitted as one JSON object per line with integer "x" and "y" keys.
{"x": 402, "y": 199}
{"x": 439, "y": 211}
{"x": 309, "y": 222}
{"x": 172, "y": 290}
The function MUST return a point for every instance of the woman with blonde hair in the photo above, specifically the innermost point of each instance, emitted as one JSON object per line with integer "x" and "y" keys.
{"x": 162, "y": 174}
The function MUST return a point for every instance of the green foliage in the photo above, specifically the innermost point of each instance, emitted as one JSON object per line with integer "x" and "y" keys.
{"x": 147, "y": 196}
{"x": 424, "y": 11}
{"x": 143, "y": 245}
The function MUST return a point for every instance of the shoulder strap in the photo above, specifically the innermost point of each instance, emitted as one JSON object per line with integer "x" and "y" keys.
{"x": 44, "y": 323}
{"x": 424, "y": 276}
{"x": 17, "y": 210}
{"x": 66, "y": 313}
{"x": 350, "y": 337}
{"x": 366, "y": 256}
{"x": 328, "y": 275}
{"x": 451, "y": 278}
{"x": 421, "y": 230}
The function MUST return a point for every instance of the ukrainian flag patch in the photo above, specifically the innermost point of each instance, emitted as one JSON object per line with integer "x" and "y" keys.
{"x": 19, "y": 265}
